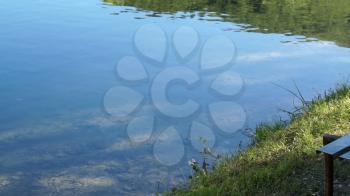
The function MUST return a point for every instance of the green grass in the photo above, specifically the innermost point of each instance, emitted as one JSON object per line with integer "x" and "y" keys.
{"x": 283, "y": 159}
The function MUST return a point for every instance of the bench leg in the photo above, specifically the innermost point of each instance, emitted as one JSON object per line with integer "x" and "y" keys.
{"x": 328, "y": 164}
{"x": 328, "y": 186}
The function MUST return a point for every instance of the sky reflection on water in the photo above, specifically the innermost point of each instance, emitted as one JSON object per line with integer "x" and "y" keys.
{"x": 58, "y": 60}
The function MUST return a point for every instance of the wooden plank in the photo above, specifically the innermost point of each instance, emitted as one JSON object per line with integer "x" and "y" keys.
{"x": 338, "y": 147}
{"x": 346, "y": 156}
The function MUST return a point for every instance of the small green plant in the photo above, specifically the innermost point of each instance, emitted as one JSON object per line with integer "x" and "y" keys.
{"x": 206, "y": 154}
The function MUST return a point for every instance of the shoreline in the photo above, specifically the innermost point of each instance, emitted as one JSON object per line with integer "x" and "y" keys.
{"x": 282, "y": 159}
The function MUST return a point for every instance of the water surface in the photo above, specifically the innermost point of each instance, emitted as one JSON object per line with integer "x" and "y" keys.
{"x": 57, "y": 61}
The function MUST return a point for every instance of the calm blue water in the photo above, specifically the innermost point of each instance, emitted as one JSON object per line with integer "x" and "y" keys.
{"x": 57, "y": 61}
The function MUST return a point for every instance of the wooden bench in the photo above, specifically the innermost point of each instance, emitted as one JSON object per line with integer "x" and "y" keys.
{"x": 334, "y": 147}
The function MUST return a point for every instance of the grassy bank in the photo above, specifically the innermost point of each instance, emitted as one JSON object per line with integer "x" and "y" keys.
{"x": 282, "y": 160}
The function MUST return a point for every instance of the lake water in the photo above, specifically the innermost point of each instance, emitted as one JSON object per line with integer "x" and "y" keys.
{"x": 59, "y": 60}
